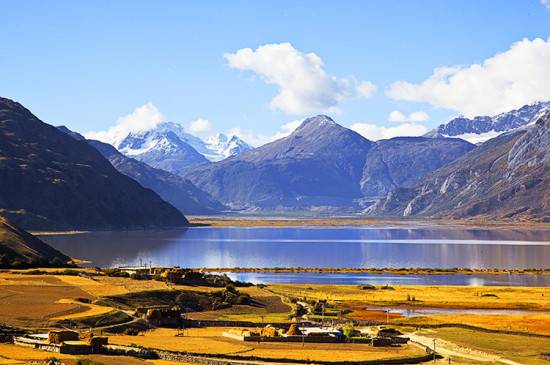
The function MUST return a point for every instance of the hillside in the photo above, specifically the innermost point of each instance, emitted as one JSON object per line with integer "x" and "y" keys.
{"x": 403, "y": 161}
{"x": 315, "y": 167}
{"x": 323, "y": 167}
{"x": 52, "y": 181}
{"x": 20, "y": 248}
{"x": 507, "y": 177}
{"x": 176, "y": 190}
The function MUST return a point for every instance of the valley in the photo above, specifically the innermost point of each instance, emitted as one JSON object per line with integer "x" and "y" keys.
{"x": 276, "y": 303}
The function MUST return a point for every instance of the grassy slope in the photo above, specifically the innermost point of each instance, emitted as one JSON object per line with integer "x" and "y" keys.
{"x": 19, "y": 245}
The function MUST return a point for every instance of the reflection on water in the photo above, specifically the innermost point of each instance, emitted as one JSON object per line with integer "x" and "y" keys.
{"x": 391, "y": 279}
{"x": 441, "y": 247}
{"x": 418, "y": 312}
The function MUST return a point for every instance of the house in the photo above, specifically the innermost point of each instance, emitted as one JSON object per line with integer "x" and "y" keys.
{"x": 62, "y": 342}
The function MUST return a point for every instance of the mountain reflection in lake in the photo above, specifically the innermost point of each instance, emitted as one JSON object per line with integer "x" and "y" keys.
{"x": 435, "y": 247}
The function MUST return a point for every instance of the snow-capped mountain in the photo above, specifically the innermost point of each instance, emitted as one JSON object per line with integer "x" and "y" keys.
{"x": 483, "y": 128}
{"x": 169, "y": 147}
{"x": 221, "y": 146}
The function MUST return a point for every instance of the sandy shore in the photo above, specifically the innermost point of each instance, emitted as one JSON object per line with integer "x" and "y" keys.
{"x": 261, "y": 221}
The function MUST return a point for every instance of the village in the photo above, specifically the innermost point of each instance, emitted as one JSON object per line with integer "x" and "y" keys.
{"x": 177, "y": 315}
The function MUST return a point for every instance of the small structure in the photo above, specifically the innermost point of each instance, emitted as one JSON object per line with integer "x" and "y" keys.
{"x": 395, "y": 336}
{"x": 294, "y": 334}
{"x": 139, "y": 272}
{"x": 63, "y": 342}
{"x": 60, "y": 336}
{"x": 321, "y": 332}
{"x": 165, "y": 317}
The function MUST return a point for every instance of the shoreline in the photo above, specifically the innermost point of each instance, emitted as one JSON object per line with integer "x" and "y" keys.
{"x": 396, "y": 271}
{"x": 352, "y": 221}
{"x": 53, "y": 233}
{"x": 252, "y": 221}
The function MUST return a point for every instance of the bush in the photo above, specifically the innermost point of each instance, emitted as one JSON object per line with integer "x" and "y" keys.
{"x": 367, "y": 287}
{"x": 88, "y": 362}
{"x": 348, "y": 329}
{"x": 130, "y": 331}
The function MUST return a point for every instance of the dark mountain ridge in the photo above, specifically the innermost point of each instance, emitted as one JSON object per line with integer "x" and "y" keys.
{"x": 19, "y": 248}
{"x": 176, "y": 190}
{"x": 53, "y": 181}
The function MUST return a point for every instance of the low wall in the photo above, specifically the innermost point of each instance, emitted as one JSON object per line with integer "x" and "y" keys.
{"x": 307, "y": 339}
{"x": 215, "y": 323}
{"x": 233, "y": 360}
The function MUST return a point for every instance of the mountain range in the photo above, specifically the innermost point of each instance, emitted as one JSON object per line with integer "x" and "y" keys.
{"x": 507, "y": 177}
{"x": 174, "y": 189}
{"x": 52, "y": 181}
{"x": 322, "y": 167}
{"x": 169, "y": 147}
{"x": 54, "y": 178}
{"x": 483, "y": 128}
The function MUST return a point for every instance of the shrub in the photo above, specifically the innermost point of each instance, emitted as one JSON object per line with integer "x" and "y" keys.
{"x": 367, "y": 287}
{"x": 348, "y": 329}
{"x": 88, "y": 362}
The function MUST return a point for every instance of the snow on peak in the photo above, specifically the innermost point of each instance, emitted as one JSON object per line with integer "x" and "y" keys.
{"x": 167, "y": 137}
{"x": 222, "y": 146}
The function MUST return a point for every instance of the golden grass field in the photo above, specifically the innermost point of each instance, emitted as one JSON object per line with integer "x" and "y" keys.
{"x": 452, "y": 297}
{"x": 35, "y": 300}
{"x": 524, "y": 350}
{"x": 426, "y": 296}
{"x": 210, "y": 341}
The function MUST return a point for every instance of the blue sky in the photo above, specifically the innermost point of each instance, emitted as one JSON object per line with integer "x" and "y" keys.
{"x": 86, "y": 64}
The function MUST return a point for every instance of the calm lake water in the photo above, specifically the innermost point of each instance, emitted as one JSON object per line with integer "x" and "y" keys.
{"x": 436, "y": 247}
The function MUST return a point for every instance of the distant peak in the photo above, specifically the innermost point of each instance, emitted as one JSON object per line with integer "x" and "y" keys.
{"x": 321, "y": 118}
{"x": 316, "y": 121}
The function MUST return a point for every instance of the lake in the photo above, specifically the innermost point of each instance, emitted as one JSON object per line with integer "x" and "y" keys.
{"x": 427, "y": 247}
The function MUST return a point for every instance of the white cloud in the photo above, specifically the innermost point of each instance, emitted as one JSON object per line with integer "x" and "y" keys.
{"x": 508, "y": 80}
{"x": 375, "y": 132}
{"x": 142, "y": 118}
{"x": 366, "y": 89}
{"x": 304, "y": 86}
{"x": 418, "y": 116}
{"x": 200, "y": 125}
{"x": 545, "y": 3}
{"x": 258, "y": 139}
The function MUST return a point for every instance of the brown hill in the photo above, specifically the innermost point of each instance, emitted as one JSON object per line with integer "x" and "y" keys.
{"x": 52, "y": 181}
{"x": 19, "y": 248}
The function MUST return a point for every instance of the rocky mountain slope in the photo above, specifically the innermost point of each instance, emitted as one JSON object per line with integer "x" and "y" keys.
{"x": 317, "y": 165}
{"x": 403, "y": 161}
{"x": 176, "y": 190}
{"x": 322, "y": 167}
{"x": 52, "y": 181}
{"x": 507, "y": 177}
{"x": 20, "y": 248}
{"x": 482, "y": 128}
